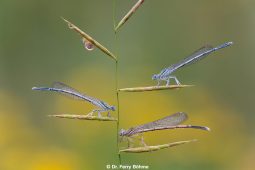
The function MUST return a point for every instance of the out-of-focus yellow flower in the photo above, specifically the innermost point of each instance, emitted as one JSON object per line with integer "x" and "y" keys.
{"x": 22, "y": 145}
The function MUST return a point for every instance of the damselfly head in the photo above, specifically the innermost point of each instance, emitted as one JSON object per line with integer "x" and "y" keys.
{"x": 155, "y": 77}
{"x": 122, "y": 132}
{"x": 113, "y": 108}
{"x": 87, "y": 44}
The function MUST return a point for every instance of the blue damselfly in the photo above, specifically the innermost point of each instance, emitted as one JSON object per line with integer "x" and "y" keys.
{"x": 71, "y": 92}
{"x": 201, "y": 53}
{"x": 169, "y": 122}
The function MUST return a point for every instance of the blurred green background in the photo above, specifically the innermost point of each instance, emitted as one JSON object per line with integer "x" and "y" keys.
{"x": 37, "y": 48}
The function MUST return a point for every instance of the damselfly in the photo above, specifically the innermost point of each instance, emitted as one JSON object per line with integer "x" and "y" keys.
{"x": 201, "y": 53}
{"x": 71, "y": 92}
{"x": 169, "y": 122}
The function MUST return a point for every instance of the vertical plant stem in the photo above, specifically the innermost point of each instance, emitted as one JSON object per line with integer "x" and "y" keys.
{"x": 116, "y": 85}
{"x": 118, "y": 111}
{"x": 114, "y": 14}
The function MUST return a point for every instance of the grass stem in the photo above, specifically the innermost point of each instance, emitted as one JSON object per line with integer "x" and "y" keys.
{"x": 116, "y": 85}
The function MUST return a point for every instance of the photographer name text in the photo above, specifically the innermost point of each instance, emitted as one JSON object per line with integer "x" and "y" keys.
{"x": 127, "y": 167}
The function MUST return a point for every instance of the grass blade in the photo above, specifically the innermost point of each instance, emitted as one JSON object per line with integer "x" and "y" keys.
{"x": 129, "y": 14}
{"x": 153, "y": 88}
{"x": 154, "y": 148}
{"x": 90, "y": 39}
{"x": 84, "y": 117}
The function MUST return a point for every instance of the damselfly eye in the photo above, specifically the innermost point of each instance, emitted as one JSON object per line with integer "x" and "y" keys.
{"x": 87, "y": 45}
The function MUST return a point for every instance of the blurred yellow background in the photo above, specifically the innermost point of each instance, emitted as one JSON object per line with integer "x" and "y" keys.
{"x": 37, "y": 48}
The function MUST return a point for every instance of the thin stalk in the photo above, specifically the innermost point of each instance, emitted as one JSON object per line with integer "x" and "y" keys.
{"x": 129, "y": 14}
{"x": 114, "y": 14}
{"x": 155, "y": 148}
{"x": 153, "y": 88}
{"x": 118, "y": 111}
{"x": 116, "y": 86}
{"x": 90, "y": 39}
{"x": 84, "y": 117}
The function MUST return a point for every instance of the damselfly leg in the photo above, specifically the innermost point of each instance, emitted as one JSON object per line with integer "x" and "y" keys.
{"x": 158, "y": 83}
{"x": 142, "y": 140}
{"x": 175, "y": 79}
{"x": 108, "y": 114}
{"x": 98, "y": 112}
{"x": 130, "y": 142}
